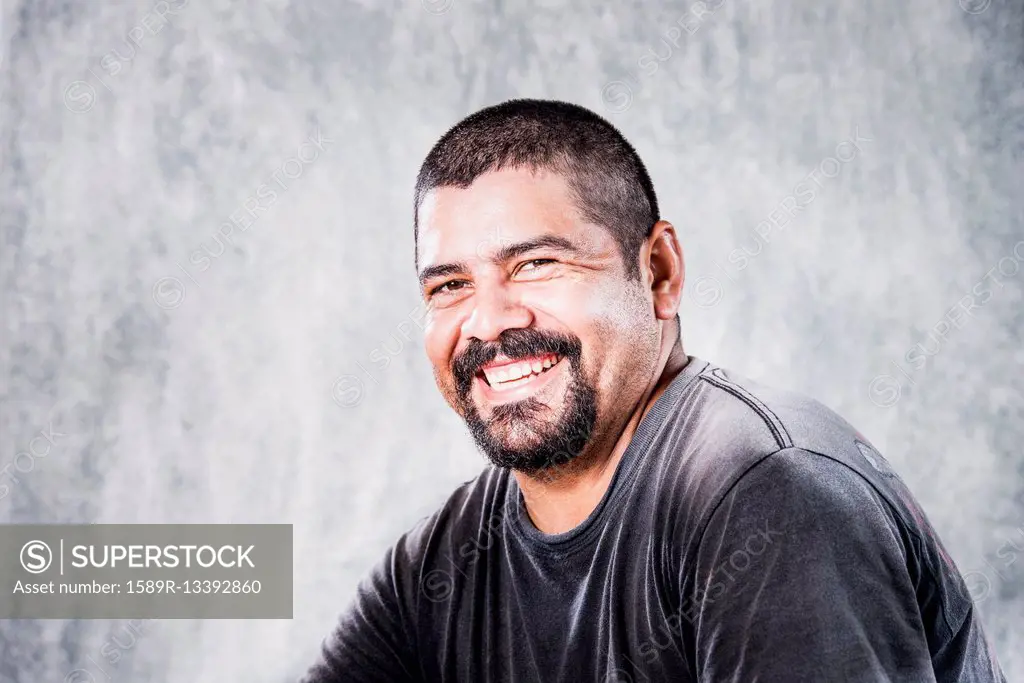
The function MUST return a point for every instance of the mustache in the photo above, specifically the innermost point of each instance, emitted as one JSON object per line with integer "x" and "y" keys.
{"x": 515, "y": 344}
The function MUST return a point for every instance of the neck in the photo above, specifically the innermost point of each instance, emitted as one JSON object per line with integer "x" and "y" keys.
{"x": 559, "y": 499}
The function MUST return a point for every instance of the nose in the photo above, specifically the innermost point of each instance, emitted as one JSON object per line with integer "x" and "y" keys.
{"x": 495, "y": 310}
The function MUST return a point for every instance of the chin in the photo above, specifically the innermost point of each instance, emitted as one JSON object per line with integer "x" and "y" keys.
{"x": 523, "y": 438}
{"x": 517, "y": 439}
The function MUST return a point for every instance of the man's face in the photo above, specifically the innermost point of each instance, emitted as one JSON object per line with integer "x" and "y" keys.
{"x": 536, "y": 336}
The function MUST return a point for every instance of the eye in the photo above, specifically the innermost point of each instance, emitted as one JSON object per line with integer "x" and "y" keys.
{"x": 447, "y": 287}
{"x": 534, "y": 264}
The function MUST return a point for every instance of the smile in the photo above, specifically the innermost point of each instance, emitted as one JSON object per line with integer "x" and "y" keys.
{"x": 508, "y": 375}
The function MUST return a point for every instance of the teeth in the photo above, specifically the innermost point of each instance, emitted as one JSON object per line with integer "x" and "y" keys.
{"x": 519, "y": 370}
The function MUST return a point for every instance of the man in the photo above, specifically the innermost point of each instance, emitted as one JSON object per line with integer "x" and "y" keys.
{"x": 648, "y": 515}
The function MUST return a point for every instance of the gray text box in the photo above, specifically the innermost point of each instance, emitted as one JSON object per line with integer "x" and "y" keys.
{"x": 146, "y": 571}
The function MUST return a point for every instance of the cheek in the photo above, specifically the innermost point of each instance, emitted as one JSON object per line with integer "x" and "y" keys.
{"x": 439, "y": 343}
{"x": 572, "y": 300}
{"x": 435, "y": 346}
{"x": 609, "y": 316}
{"x": 604, "y": 318}
{"x": 619, "y": 306}
{"x": 623, "y": 336}
{"x": 440, "y": 336}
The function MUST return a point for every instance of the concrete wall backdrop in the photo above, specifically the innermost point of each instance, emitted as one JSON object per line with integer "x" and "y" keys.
{"x": 208, "y": 289}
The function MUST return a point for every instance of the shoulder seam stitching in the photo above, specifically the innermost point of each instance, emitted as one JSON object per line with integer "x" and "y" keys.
{"x": 771, "y": 420}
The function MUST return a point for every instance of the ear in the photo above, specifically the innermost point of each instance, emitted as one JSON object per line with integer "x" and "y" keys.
{"x": 665, "y": 269}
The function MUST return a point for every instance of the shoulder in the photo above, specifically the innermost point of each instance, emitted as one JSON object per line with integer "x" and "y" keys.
{"x": 799, "y": 509}
{"x": 811, "y": 490}
{"x": 787, "y": 455}
{"x": 765, "y": 418}
{"x": 730, "y": 423}
{"x": 735, "y": 436}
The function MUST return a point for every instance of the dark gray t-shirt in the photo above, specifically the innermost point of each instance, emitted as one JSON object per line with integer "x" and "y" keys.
{"x": 748, "y": 534}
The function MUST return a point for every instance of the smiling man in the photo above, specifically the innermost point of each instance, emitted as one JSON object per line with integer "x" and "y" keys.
{"x": 647, "y": 515}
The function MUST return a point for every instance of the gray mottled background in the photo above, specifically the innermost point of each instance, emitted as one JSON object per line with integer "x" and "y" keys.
{"x": 276, "y": 374}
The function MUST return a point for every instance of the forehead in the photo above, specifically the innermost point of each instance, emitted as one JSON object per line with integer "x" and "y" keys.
{"x": 500, "y": 208}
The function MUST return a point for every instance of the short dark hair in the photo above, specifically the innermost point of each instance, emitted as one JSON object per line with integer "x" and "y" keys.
{"x": 608, "y": 181}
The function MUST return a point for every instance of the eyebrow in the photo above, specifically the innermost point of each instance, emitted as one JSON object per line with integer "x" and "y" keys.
{"x": 506, "y": 253}
{"x": 444, "y": 269}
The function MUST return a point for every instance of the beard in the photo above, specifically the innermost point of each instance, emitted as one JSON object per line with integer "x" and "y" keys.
{"x": 544, "y": 443}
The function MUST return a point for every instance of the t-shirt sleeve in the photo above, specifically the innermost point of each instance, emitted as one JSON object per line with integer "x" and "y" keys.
{"x": 372, "y": 643}
{"x": 801, "y": 575}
